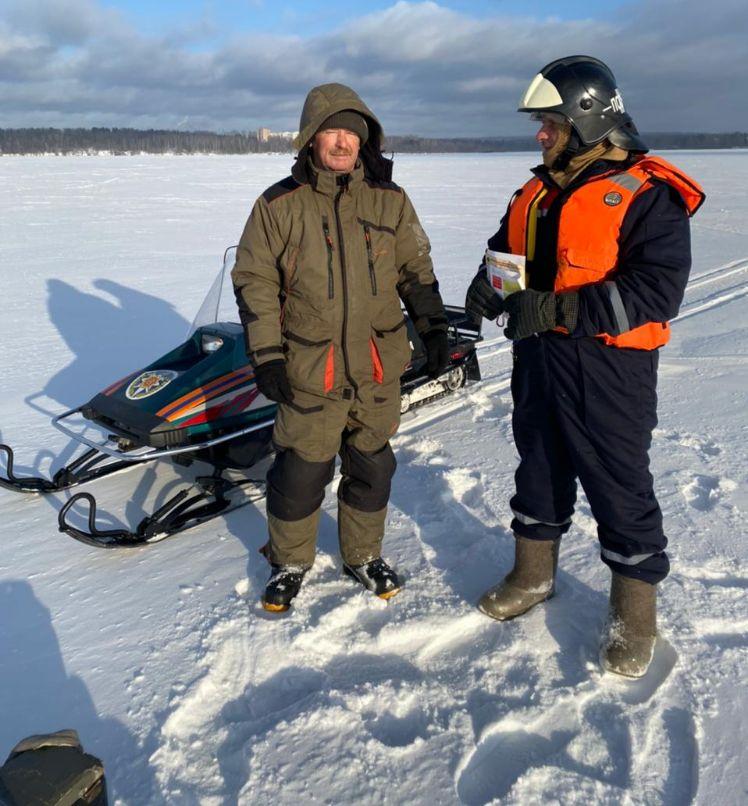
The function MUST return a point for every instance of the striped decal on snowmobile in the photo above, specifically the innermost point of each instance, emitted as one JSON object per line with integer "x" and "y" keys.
{"x": 215, "y": 402}
{"x": 117, "y": 384}
{"x": 178, "y": 408}
{"x": 235, "y": 405}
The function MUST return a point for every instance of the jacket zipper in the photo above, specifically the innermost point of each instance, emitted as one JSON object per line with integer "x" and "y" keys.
{"x": 370, "y": 256}
{"x": 344, "y": 345}
{"x": 328, "y": 242}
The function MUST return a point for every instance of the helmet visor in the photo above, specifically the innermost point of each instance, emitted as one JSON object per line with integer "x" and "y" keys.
{"x": 541, "y": 94}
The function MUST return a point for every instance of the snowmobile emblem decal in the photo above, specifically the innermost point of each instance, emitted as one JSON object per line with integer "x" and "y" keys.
{"x": 613, "y": 198}
{"x": 148, "y": 383}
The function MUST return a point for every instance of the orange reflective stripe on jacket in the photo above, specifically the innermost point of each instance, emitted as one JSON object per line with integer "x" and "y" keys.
{"x": 589, "y": 227}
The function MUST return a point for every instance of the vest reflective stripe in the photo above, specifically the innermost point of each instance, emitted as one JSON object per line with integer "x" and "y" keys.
{"x": 532, "y": 222}
{"x": 589, "y": 226}
{"x": 619, "y": 310}
{"x": 518, "y": 213}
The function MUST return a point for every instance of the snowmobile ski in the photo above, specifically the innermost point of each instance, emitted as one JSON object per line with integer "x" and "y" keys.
{"x": 81, "y": 470}
{"x": 181, "y": 512}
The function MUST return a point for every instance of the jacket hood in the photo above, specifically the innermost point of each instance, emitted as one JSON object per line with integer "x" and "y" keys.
{"x": 326, "y": 100}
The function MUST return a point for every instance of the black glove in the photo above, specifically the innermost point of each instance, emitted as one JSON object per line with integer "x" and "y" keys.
{"x": 272, "y": 381}
{"x": 533, "y": 311}
{"x": 437, "y": 352}
{"x": 481, "y": 299}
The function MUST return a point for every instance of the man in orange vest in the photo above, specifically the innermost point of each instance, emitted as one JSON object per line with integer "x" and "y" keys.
{"x": 605, "y": 232}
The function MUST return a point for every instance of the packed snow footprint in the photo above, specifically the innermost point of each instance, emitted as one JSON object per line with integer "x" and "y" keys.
{"x": 450, "y": 686}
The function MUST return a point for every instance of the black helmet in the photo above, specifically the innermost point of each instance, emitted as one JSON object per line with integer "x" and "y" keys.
{"x": 583, "y": 90}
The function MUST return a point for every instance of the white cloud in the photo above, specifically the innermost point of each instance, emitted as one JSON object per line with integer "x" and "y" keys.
{"x": 422, "y": 67}
{"x": 64, "y": 22}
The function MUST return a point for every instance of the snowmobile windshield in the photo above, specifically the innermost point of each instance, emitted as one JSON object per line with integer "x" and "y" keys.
{"x": 219, "y": 304}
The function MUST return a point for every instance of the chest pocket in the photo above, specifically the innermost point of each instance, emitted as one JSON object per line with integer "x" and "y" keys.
{"x": 380, "y": 256}
{"x": 307, "y": 267}
{"x": 587, "y": 239}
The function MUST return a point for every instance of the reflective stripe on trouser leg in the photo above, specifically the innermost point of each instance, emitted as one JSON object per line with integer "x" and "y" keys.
{"x": 650, "y": 567}
{"x": 635, "y": 559}
{"x": 296, "y": 489}
{"x": 536, "y": 529}
{"x": 528, "y": 520}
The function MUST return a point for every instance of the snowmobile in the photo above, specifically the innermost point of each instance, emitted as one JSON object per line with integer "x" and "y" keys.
{"x": 199, "y": 402}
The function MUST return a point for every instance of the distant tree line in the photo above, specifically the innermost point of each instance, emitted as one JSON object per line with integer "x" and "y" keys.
{"x": 655, "y": 140}
{"x": 134, "y": 141}
{"x": 154, "y": 141}
{"x": 410, "y": 144}
{"x": 665, "y": 140}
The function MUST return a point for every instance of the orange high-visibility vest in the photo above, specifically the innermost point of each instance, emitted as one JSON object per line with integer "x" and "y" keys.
{"x": 588, "y": 230}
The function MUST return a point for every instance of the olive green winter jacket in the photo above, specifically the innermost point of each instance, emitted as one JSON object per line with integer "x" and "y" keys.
{"x": 323, "y": 263}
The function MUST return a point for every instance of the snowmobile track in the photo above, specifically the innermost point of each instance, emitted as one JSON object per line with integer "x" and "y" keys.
{"x": 720, "y": 273}
{"x": 715, "y": 300}
{"x": 441, "y": 411}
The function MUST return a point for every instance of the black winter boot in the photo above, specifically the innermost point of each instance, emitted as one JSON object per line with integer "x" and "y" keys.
{"x": 530, "y": 582}
{"x": 629, "y": 640}
{"x": 283, "y": 585}
{"x": 376, "y": 576}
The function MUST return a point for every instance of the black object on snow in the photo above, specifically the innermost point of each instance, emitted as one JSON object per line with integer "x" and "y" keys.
{"x": 52, "y": 770}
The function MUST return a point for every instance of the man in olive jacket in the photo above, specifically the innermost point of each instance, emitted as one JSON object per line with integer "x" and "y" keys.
{"x": 324, "y": 261}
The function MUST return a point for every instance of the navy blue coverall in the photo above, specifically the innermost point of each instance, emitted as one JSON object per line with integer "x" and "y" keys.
{"x": 584, "y": 410}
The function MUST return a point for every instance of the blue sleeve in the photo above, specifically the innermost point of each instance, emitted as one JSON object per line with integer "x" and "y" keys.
{"x": 653, "y": 267}
{"x": 499, "y": 241}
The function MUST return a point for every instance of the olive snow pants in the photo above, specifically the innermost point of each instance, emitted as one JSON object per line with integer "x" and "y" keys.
{"x": 308, "y": 433}
{"x": 583, "y": 410}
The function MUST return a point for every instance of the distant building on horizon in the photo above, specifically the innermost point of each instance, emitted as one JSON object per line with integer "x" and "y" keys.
{"x": 264, "y": 134}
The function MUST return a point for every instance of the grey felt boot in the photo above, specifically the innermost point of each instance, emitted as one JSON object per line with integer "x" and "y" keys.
{"x": 629, "y": 639}
{"x": 530, "y": 582}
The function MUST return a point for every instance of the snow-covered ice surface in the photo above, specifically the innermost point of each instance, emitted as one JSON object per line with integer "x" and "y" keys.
{"x": 160, "y": 656}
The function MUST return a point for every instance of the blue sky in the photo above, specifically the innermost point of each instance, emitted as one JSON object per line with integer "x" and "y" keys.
{"x": 264, "y": 16}
{"x": 436, "y": 68}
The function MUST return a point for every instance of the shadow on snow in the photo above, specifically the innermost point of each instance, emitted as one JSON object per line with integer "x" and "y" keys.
{"x": 39, "y": 696}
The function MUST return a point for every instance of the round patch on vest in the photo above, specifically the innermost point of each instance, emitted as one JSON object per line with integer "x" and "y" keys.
{"x": 613, "y": 198}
